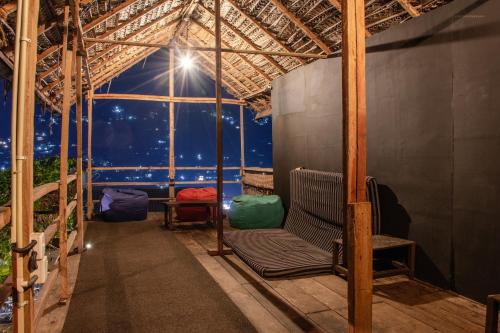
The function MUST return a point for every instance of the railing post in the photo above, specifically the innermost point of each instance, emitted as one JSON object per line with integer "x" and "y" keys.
{"x": 79, "y": 142}
{"x": 90, "y": 202}
{"x": 171, "y": 127}
{"x": 242, "y": 146}
{"x": 63, "y": 183}
{"x": 23, "y": 106}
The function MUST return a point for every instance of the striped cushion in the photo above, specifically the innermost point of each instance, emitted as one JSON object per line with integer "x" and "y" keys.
{"x": 276, "y": 252}
{"x": 314, "y": 220}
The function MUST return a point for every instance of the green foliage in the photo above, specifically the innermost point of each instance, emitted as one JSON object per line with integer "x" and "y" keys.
{"x": 44, "y": 171}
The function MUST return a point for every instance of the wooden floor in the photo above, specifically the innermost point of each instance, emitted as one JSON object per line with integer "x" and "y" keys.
{"x": 318, "y": 304}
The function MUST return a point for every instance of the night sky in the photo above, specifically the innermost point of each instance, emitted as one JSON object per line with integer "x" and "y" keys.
{"x": 135, "y": 133}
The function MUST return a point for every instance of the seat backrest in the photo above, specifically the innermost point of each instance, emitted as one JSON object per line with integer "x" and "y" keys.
{"x": 316, "y": 206}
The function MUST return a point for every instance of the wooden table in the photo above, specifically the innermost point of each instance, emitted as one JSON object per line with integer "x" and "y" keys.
{"x": 171, "y": 204}
{"x": 383, "y": 242}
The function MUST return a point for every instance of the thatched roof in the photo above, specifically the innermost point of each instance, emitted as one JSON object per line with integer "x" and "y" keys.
{"x": 306, "y": 26}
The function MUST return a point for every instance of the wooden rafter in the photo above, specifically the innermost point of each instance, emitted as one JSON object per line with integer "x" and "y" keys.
{"x": 207, "y": 58}
{"x": 246, "y": 40}
{"x": 136, "y": 55}
{"x": 110, "y": 32}
{"x": 129, "y": 37}
{"x": 409, "y": 8}
{"x": 297, "y": 21}
{"x": 243, "y": 57}
{"x": 262, "y": 28}
{"x": 102, "y": 19}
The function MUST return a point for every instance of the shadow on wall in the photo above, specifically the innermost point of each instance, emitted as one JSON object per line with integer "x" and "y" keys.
{"x": 396, "y": 222}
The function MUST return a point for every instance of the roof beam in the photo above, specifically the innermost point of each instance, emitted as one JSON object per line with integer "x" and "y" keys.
{"x": 140, "y": 31}
{"x": 296, "y": 20}
{"x": 227, "y": 72}
{"x": 228, "y": 63}
{"x": 240, "y": 10}
{"x": 246, "y": 40}
{"x": 116, "y": 29}
{"x": 226, "y": 45}
{"x": 47, "y": 52}
{"x": 409, "y": 8}
{"x": 90, "y": 61}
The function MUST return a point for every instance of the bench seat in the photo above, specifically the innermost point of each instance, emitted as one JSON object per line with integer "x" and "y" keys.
{"x": 304, "y": 246}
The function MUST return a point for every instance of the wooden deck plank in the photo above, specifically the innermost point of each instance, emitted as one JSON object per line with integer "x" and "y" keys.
{"x": 262, "y": 320}
{"x": 330, "y": 321}
{"x": 293, "y": 320}
{"x": 53, "y": 315}
{"x": 299, "y": 298}
{"x": 318, "y": 304}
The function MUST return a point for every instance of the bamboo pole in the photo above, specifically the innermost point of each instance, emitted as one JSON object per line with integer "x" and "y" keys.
{"x": 79, "y": 160}
{"x": 171, "y": 124}
{"x": 175, "y": 99}
{"x": 357, "y": 231}
{"x": 63, "y": 183}
{"x": 22, "y": 157}
{"x": 208, "y": 49}
{"x": 90, "y": 203}
{"x": 218, "y": 108}
{"x": 242, "y": 146}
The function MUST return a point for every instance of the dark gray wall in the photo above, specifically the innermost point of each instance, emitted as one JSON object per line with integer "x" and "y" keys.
{"x": 433, "y": 101}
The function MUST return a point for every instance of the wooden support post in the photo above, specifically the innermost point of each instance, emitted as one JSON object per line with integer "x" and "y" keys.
{"x": 242, "y": 145}
{"x": 171, "y": 122}
{"x": 63, "y": 183}
{"x": 492, "y": 309}
{"x": 218, "y": 108}
{"x": 90, "y": 203}
{"x": 357, "y": 230}
{"x": 23, "y": 108}
{"x": 79, "y": 160}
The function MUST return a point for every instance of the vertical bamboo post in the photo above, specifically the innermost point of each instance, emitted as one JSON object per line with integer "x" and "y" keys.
{"x": 218, "y": 109}
{"x": 171, "y": 122}
{"x": 242, "y": 146}
{"x": 23, "y": 108}
{"x": 63, "y": 183}
{"x": 79, "y": 143}
{"x": 357, "y": 230}
{"x": 90, "y": 202}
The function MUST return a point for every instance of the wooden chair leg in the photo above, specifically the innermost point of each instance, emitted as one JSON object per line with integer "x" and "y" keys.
{"x": 492, "y": 308}
{"x": 335, "y": 257}
{"x": 411, "y": 260}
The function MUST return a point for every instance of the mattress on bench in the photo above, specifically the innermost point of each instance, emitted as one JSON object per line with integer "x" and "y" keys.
{"x": 277, "y": 252}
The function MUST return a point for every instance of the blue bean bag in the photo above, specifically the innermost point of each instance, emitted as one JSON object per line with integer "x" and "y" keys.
{"x": 124, "y": 205}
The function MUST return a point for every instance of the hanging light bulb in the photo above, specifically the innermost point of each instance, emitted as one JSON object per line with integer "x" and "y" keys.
{"x": 187, "y": 61}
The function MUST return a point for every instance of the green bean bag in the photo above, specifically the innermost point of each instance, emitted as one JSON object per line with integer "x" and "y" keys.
{"x": 256, "y": 212}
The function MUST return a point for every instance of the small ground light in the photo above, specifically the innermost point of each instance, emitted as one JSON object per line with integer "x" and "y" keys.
{"x": 88, "y": 246}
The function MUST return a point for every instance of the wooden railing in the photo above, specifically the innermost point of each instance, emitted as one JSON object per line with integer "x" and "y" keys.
{"x": 257, "y": 180}
{"x": 49, "y": 233}
{"x": 252, "y": 176}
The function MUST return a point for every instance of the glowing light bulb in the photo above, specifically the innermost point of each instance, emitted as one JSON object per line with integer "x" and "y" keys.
{"x": 88, "y": 246}
{"x": 187, "y": 62}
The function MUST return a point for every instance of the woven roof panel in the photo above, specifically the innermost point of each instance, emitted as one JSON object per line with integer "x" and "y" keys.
{"x": 304, "y": 26}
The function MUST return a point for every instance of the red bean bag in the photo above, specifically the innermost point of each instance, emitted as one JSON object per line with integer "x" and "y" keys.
{"x": 194, "y": 194}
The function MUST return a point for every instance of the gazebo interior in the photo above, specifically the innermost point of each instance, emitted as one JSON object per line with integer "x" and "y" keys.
{"x": 380, "y": 212}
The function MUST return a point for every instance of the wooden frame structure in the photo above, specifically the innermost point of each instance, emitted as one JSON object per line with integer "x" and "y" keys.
{"x": 252, "y": 43}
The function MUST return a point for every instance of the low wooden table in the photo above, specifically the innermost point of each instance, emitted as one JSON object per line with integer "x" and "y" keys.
{"x": 382, "y": 242}
{"x": 171, "y": 204}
